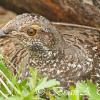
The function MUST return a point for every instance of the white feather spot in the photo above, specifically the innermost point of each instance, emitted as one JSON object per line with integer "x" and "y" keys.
{"x": 79, "y": 66}
{"x": 94, "y": 48}
{"x": 89, "y": 59}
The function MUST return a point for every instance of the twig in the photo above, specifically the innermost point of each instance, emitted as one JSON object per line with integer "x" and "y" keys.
{"x": 75, "y": 25}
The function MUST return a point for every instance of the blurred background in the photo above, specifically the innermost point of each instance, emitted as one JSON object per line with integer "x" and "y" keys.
{"x": 84, "y": 12}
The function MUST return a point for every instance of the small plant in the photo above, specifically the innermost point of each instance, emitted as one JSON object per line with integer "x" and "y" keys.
{"x": 37, "y": 88}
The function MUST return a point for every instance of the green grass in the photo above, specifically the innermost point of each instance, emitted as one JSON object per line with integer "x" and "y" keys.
{"x": 37, "y": 88}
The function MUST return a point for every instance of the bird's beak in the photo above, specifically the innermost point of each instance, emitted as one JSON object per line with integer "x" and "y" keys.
{"x": 2, "y": 33}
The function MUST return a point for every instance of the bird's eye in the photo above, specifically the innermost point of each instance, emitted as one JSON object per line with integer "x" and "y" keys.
{"x": 31, "y": 32}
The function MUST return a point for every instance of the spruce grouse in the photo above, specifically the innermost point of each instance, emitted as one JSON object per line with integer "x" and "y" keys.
{"x": 67, "y": 54}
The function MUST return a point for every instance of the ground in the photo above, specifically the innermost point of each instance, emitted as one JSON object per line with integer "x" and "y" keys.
{"x": 5, "y": 16}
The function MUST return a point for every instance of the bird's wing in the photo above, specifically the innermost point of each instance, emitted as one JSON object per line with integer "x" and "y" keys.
{"x": 86, "y": 37}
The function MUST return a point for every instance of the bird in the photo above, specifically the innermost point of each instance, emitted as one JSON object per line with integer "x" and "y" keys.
{"x": 56, "y": 51}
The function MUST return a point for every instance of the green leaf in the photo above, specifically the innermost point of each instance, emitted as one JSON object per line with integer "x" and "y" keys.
{"x": 28, "y": 97}
{"x": 15, "y": 98}
{"x": 22, "y": 84}
{"x": 94, "y": 95}
{"x": 1, "y": 98}
{"x": 82, "y": 88}
{"x": 33, "y": 79}
{"x": 73, "y": 94}
{"x": 47, "y": 84}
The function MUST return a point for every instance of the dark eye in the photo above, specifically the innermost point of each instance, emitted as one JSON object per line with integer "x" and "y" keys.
{"x": 31, "y": 32}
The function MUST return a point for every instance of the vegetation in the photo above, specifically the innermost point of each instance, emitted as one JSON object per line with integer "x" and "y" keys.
{"x": 37, "y": 88}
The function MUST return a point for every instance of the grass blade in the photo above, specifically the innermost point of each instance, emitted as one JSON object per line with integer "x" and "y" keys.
{"x": 3, "y": 94}
{"x": 6, "y": 87}
{"x": 11, "y": 84}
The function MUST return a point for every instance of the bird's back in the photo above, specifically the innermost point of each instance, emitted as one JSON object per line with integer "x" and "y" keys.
{"x": 87, "y": 41}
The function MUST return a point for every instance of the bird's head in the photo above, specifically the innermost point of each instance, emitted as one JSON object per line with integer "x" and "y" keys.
{"x": 33, "y": 31}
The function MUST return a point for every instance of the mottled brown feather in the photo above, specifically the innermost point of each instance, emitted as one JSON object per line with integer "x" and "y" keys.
{"x": 68, "y": 54}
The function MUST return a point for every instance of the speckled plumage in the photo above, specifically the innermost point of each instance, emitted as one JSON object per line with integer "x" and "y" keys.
{"x": 55, "y": 51}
